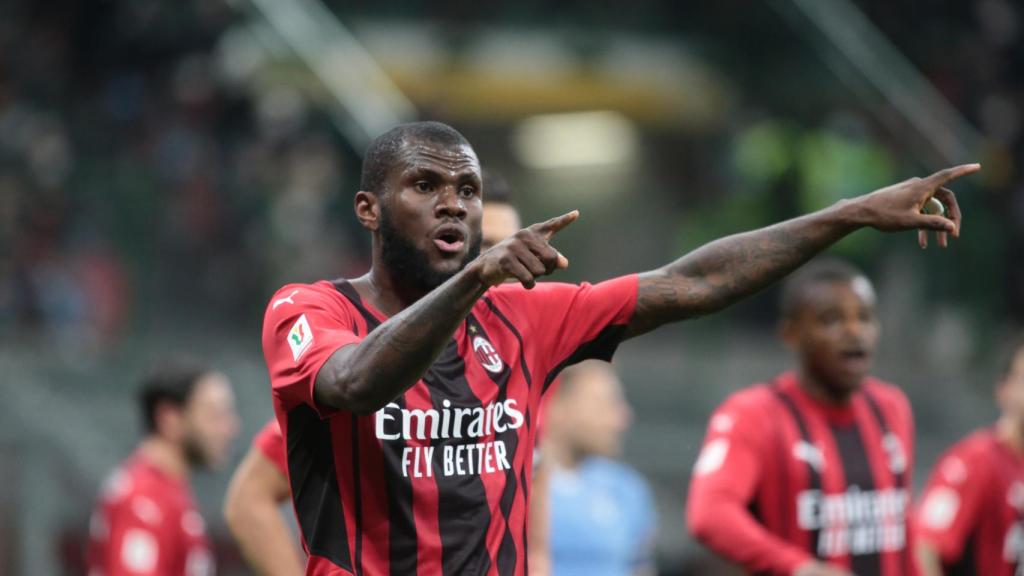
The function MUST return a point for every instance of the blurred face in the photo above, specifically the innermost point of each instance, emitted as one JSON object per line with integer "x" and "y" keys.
{"x": 834, "y": 332}
{"x": 592, "y": 414}
{"x": 210, "y": 423}
{"x": 430, "y": 215}
{"x": 500, "y": 221}
{"x": 1010, "y": 393}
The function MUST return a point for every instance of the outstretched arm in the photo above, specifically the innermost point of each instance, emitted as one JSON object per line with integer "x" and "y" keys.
{"x": 365, "y": 376}
{"x": 729, "y": 269}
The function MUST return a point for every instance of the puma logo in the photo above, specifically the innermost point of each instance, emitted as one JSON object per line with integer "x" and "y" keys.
{"x": 287, "y": 299}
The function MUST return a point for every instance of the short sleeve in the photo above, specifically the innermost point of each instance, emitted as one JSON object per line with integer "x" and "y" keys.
{"x": 729, "y": 463}
{"x": 949, "y": 505}
{"x": 303, "y": 326}
{"x": 270, "y": 442}
{"x": 725, "y": 479}
{"x": 573, "y": 323}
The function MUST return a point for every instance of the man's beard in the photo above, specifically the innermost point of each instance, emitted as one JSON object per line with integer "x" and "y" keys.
{"x": 194, "y": 454}
{"x": 410, "y": 265}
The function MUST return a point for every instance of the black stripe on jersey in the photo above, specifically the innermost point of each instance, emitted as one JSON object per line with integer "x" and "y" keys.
{"x": 315, "y": 486}
{"x": 602, "y": 347}
{"x": 519, "y": 338}
{"x": 526, "y": 510}
{"x": 402, "y": 538}
{"x": 857, "y": 470}
{"x": 506, "y": 556}
{"x": 462, "y": 513}
{"x": 401, "y": 521}
{"x": 529, "y": 420}
{"x": 357, "y": 496}
{"x": 966, "y": 565}
{"x": 906, "y": 558}
{"x": 883, "y": 426}
{"x": 813, "y": 476}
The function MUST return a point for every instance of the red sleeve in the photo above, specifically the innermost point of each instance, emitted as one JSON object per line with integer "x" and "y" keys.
{"x": 725, "y": 479}
{"x": 303, "y": 326}
{"x": 572, "y": 323}
{"x": 950, "y": 504}
{"x": 270, "y": 442}
{"x": 142, "y": 540}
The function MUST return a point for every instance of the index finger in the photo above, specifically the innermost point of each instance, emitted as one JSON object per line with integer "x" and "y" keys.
{"x": 942, "y": 176}
{"x": 556, "y": 224}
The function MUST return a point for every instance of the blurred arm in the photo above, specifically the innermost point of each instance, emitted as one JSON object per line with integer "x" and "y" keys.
{"x": 729, "y": 269}
{"x": 929, "y": 563}
{"x": 252, "y": 512}
{"x": 724, "y": 482}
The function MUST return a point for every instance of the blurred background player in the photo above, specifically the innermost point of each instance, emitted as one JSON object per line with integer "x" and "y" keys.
{"x": 259, "y": 487}
{"x": 146, "y": 522}
{"x": 809, "y": 474}
{"x": 971, "y": 520}
{"x": 252, "y": 507}
{"x": 601, "y": 515}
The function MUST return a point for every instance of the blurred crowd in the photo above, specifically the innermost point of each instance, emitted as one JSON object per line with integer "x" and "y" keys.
{"x": 133, "y": 170}
{"x": 132, "y": 174}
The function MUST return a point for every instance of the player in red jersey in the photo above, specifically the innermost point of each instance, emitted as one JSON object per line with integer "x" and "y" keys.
{"x": 809, "y": 474}
{"x": 146, "y": 522}
{"x": 971, "y": 519}
{"x": 409, "y": 396}
{"x": 260, "y": 484}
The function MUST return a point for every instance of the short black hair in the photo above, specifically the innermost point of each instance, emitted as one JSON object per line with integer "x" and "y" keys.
{"x": 822, "y": 271}
{"x": 496, "y": 188}
{"x": 384, "y": 149}
{"x": 172, "y": 382}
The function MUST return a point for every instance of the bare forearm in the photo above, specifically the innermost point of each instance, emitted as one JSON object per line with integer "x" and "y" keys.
{"x": 729, "y": 269}
{"x": 366, "y": 376}
{"x": 266, "y": 541}
{"x": 252, "y": 513}
{"x": 928, "y": 561}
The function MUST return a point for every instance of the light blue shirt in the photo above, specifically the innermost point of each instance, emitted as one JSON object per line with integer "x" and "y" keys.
{"x": 602, "y": 520}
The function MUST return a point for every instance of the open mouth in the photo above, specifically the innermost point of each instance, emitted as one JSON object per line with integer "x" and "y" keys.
{"x": 449, "y": 239}
{"x": 855, "y": 355}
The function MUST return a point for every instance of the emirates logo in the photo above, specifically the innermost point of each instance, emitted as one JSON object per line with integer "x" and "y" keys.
{"x": 487, "y": 355}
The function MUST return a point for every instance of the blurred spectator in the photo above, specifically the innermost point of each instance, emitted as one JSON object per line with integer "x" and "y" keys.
{"x": 602, "y": 517}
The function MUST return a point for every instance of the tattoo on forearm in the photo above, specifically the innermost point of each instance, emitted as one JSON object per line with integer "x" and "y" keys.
{"x": 727, "y": 270}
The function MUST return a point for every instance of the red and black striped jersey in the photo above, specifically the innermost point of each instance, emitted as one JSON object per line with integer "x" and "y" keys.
{"x": 437, "y": 481}
{"x": 783, "y": 479}
{"x": 972, "y": 511}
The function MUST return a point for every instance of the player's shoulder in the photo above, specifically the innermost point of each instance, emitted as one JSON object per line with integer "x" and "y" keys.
{"x": 269, "y": 433}
{"x": 137, "y": 489}
{"x": 746, "y": 412}
{"x": 514, "y": 292}
{"x": 298, "y": 293}
{"x": 975, "y": 447}
{"x": 751, "y": 399}
{"x": 967, "y": 458}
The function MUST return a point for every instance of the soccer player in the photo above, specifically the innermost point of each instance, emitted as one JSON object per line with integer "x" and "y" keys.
{"x": 971, "y": 520}
{"x": 146, "y": 522}
{"x": 809, "y": 474}
{"x": 260, "y": 485}
{"x": 408, "y": 397}
{"x": 602, "y": 518}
